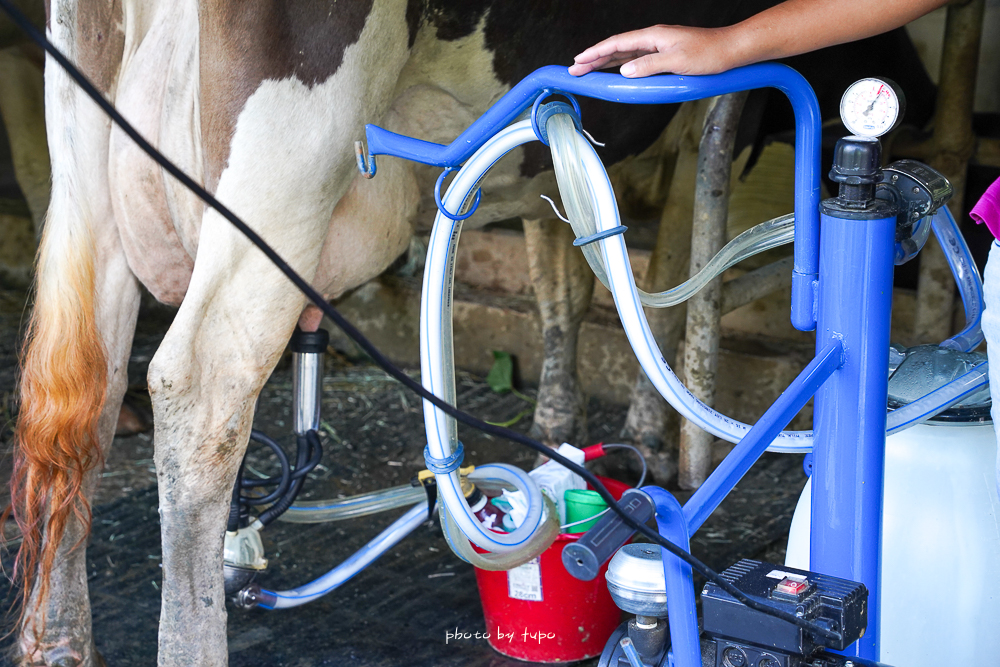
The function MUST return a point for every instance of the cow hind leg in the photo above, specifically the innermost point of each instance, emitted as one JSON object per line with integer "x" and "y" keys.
{"x": 204, "y": 380}
{"x": 563, "y": 286}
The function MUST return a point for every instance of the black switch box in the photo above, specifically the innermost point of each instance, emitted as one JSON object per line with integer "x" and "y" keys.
{"x": 836, "y": 604}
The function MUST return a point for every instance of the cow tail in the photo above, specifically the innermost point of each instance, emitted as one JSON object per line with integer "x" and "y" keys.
{"x": 62, "y": 390}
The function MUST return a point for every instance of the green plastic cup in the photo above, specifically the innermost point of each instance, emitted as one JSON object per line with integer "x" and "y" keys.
{"x": 582, "y": 504}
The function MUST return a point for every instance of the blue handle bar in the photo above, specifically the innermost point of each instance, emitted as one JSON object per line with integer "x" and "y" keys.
{"x": 663, "y": 89}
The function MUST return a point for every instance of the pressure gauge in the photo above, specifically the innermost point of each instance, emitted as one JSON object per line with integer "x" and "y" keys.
{"x": 872, "y": 107}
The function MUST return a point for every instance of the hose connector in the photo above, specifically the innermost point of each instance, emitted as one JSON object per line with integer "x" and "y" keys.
{"x": 255, "y": 596}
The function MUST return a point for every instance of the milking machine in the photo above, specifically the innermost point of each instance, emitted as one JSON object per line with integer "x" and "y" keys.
{"x": 830, "y": 608}
{"x": 893, "y": 550}
{"x": 845, "y": 589}
{"x": 880, "y": 218}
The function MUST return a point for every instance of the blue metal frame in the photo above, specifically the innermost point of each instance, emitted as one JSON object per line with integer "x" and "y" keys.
{"x": 666, "y": 89}
{"x": 841, "y": 285}
{"x": 855, "y": 300}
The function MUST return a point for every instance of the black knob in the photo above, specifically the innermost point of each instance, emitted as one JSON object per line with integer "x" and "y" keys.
{"x": 857, "y": 165}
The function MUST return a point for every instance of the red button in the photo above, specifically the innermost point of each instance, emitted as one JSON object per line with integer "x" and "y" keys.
{"x": 791, "y": 586}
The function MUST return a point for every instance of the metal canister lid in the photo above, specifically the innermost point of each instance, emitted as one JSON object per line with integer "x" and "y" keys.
{"x": 636, "y": 582}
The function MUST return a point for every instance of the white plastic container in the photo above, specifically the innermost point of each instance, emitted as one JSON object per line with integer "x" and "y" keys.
{"x": 940, "y": 546}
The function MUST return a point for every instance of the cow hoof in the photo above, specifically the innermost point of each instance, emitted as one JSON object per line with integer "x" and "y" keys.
{"x": 62, "y": 656}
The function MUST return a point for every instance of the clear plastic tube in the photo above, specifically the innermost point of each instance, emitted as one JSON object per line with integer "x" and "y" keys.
{"x": 437, "y": 363}
{"x": 970, "y": 285}
{"x": 622, "y": 285}
{"x": 576, "y": 194}
{"x": 340, "y": 509}
{"x": 588, "y": 188}
{"x": 388, "y": 538}
{"x": 938, "y": 400}
{"x": 540, "y": 540}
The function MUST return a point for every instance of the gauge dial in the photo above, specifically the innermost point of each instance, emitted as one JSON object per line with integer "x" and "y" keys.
{"x": 872, "y": 107}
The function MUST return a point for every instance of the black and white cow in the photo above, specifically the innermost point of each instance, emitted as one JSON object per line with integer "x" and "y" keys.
{"x": 262, "y": 100}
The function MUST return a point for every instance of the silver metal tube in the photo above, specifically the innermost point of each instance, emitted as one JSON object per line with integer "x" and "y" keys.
{"x": 307, "y": 390}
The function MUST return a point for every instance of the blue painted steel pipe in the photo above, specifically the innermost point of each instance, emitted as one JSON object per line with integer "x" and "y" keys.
{"x": 684, "y": 642}
{"x": 665, "y": 89}
{"x": 855, "y": 301}
{"x": 724, "y": 478}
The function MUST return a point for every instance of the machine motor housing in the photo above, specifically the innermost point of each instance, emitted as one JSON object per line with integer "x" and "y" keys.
{"x": 838, "y": 604}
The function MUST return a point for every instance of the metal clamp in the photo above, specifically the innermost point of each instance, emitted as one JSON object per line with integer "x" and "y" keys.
{"x": 440, "y": 204}
{"x": 538, "y": 124}
{"x": 606, "y": 233}
{"x": 923, "y": 189}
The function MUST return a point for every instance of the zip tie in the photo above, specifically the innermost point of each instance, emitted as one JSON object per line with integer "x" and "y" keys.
{"x": 437, "y": 198}
{"x": 587, "y": 240}
{"x": 446, "y": 465}
{"x": 554, "y": 209}
{"x": 589, "y": 136}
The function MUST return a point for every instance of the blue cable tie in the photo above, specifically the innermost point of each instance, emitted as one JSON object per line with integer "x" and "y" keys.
{"x": 587, "y": 240}
{"x": 446, "y": 465}
{"x": 440, "y": 204}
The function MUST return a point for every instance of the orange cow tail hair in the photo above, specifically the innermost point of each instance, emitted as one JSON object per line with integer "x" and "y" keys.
{"x": 62, "y": 386}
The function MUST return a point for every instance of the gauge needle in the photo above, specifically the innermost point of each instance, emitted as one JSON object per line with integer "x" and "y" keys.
{"x": 872, "y": 105}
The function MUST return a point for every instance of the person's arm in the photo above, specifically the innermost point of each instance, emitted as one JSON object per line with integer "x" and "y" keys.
{"x": 787, "y": 29}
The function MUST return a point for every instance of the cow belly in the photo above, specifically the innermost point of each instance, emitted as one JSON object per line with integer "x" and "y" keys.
{"x": 157, "y": 91}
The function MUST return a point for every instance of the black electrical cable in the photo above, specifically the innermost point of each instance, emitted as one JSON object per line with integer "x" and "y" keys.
{"x": 348, "y": 328}
{"x": 233, "y": 521}
{"x": 315, "y": 454}
{"x": 306, "y": 458}
{"x": 283, "y": 481}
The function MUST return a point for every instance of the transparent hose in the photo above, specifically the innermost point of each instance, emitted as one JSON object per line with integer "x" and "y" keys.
{"x": 577, "y": 195}
{"x": 588, "y": 187}
{"x": 540, "y": 540}
{"x": 938, "y": 400}
{"x": 389, "y": 537}
{"x": 437, "y": 368}
{"x": 970, "y": 285}
{"x": 339, "y": 509}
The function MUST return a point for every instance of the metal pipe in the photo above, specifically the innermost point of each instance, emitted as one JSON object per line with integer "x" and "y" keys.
{"x": 855, "y": 301}
{"x": 724, "y": 478}
{"x": 658, "y": 90}
{"x": 684, "y": 642}
{"x": 708, "y": 235}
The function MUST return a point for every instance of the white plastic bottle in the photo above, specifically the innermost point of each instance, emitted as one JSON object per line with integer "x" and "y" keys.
{"x": 940, "y": 544}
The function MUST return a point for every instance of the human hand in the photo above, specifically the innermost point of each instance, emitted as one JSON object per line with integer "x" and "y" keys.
{"x": 661, "y": 48}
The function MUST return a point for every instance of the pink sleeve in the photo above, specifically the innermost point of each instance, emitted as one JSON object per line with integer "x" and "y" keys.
{"x": 987, "y": 209}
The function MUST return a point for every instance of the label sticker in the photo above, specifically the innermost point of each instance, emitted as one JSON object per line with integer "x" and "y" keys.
{"x": 525, "y": 582}
{"x": 778, "y": 574}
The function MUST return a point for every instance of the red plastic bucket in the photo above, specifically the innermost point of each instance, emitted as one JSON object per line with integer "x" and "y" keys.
{"x": 540, "y": 613}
